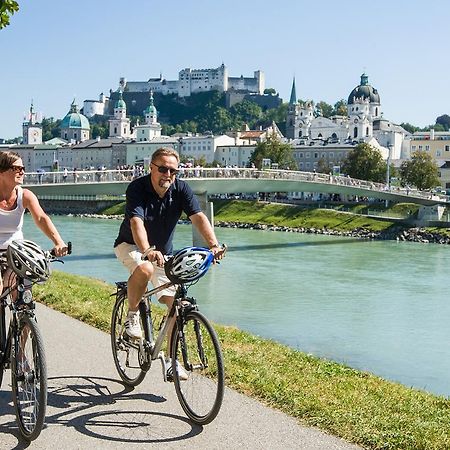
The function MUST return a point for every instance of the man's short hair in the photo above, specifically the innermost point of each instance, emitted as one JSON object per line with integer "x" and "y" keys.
{"x": 165, "y": 151}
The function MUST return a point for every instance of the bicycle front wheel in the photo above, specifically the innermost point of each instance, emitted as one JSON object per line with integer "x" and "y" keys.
{"x": 29, "y": 377}
{"x": 125, "y": 352}
{"x": 196, "y": 348}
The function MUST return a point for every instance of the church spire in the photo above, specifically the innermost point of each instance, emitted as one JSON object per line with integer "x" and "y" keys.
{"x": 293, "y": 99}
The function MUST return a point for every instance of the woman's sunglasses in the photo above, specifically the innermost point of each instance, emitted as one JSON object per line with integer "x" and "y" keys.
{"x": 17, "y": 169}
{"x": 164, "y": 169}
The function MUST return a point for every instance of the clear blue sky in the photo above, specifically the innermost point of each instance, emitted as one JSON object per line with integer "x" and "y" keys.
{"x": 56, "y": 50}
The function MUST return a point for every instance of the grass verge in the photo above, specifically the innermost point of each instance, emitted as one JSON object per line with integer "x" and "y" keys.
{"x": 355, "y": 405}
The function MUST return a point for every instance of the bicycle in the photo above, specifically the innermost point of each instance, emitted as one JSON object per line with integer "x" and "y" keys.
{"x": 194, "y": 342}
{"x": 21, "y": 344}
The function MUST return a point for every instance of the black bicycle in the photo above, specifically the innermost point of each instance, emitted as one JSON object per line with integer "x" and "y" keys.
{"x": 194, "y": 342}
{"x": 21, "y": 343}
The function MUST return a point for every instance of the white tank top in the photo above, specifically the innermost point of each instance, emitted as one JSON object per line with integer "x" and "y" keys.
{"x": 11, "y": 222}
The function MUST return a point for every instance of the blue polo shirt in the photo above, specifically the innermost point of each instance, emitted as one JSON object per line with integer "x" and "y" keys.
{"x": 160, "y": 215}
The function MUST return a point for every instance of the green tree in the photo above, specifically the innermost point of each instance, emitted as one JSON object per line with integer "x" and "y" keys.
{"x": 277, "y": 151}
{"x": 444, "y": 120}
{"x": 420, "y": 171}
{"x": 325, "y": 109}
{"x": 365, "y": 163}
{"x": 409, "y": 128}
{"x": 340, "y": 108}
{"x": 270, "y": 91}
{"x": 51, "y": 128}
{"x": 7, "y": 9}
{"x": 323, "y": 166}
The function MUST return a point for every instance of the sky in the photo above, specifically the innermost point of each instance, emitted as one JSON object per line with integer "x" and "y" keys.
{"x": 55, "y": 51}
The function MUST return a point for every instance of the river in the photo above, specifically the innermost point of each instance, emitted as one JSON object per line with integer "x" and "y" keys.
{"x": 380, "y": 306}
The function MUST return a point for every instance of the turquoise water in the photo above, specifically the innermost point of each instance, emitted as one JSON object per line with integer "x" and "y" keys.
{"x": 378, "y": 306}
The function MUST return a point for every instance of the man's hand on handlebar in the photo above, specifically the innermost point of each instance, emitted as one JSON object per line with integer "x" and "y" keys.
{"x": 154, "y": 256}
{"x": 218, "y": 251}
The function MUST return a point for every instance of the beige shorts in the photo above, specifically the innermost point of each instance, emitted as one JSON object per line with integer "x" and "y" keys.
{"x": 130, "y": 256}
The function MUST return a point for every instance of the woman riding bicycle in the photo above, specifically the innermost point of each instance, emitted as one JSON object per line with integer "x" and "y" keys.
{"x": 14, "y": 200}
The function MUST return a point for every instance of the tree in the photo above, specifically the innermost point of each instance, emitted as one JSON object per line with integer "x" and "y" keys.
{"x": 270, "y": 91}
{"x": 340, "y": 108}
{"x": 365, "y": 163}
{"x": 409, "y": 128}
{"x": 7, "y": 9}
{"x": 444, "y": 120}
{"x": 275, "y": 150}
{"x": 325, "y": 109}
{"x": 420, "y": 171}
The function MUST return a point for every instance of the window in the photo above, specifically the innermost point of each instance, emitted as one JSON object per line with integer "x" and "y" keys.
{"x": 447, "y": 148}
{"x": 413, "y": 148}
{"x": 420, "y": 147}
{"x": 355, "y": 132}
{"x": 438, "y": 153}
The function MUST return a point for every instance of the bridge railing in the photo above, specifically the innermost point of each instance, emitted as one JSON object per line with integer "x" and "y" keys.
{"x": 108, "y": 176}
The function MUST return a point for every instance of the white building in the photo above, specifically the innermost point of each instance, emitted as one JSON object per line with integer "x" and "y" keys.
{"x": 364, "y": 123}
{"x": 150, "y": 129}
{"x": 192, "y": 81}
{"x": 137, "y": 151}
{"x": 203, "y": 146}
{"x": 96, "y": 107}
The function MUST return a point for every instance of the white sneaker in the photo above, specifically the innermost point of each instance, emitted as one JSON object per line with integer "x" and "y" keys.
{"x": 182, "y": 374}
{"x": 132, "y": 325}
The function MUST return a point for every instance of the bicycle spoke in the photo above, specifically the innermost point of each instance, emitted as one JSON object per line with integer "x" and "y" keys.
{"x": 29, "y": 378}
{"x": 197, "y": 349}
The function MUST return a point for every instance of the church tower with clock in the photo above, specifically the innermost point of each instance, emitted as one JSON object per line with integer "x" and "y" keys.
{"x": 32, "y": 129}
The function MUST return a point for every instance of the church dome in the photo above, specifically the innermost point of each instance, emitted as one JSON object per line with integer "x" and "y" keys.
{"x": 74, "y": 119}
{"x": 364, "y": 91}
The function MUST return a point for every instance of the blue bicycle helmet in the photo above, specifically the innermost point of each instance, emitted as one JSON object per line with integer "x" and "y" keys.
{"x": 188, "y": 264}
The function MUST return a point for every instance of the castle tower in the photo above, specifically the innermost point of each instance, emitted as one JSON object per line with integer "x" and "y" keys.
{"x": 31, "y": 129}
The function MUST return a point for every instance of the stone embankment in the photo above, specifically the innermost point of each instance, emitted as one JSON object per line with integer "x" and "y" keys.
{"x": 397, "y": 232}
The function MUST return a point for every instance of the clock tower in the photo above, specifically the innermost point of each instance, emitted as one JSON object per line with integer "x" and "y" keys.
{"x": 32, "y": 130}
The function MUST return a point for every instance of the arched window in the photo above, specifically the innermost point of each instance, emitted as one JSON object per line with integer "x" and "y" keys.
{"x": 300, "y": 133}
{"x": 367, "y": 131}
{"x": 376, "y": 112}
{"x": 319, "y": 135}
{"x": 334, "y": 136}
{"x": 355, "y": 132}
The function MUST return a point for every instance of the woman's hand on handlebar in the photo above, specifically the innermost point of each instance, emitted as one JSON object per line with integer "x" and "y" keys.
{"x": 62, "y": 249}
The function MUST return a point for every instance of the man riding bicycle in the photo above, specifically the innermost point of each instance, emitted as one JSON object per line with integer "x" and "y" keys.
{"x": 154, "y": 204}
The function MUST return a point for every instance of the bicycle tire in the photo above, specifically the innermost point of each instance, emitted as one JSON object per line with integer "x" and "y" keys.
{"x": 126, "y": 355}
{"x": 29, "y": 377}
{"x": 201, "y": 394}
{"x": 3, "y": 349}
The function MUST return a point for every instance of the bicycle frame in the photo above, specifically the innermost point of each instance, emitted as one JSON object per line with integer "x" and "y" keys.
{"x": 148, "y": 346}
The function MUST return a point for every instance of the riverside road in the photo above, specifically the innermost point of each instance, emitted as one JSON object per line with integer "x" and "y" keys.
{"x": 88, "y": 407}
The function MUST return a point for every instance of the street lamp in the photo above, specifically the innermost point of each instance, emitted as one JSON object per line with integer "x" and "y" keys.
{"x": 388, "y": 169}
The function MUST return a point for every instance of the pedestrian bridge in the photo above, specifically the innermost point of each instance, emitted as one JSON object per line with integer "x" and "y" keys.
{"x": 207, "y": 181}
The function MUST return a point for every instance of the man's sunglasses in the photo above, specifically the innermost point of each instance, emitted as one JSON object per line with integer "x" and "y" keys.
{"x": 164, "y": 169}
{"x": 17, "y": 169}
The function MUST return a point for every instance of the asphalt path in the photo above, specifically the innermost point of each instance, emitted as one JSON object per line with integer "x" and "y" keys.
{"x": 89, "y": 407}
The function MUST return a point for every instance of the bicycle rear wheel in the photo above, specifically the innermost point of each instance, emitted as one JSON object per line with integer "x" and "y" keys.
{"x": 196, "y": 348}
{"x": 29, "y": 377}
{"x": 3, "y": 349}
{"x": 125, "y": 352}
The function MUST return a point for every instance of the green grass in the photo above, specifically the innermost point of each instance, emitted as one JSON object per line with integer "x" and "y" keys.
{"x": 354, "y": 405}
